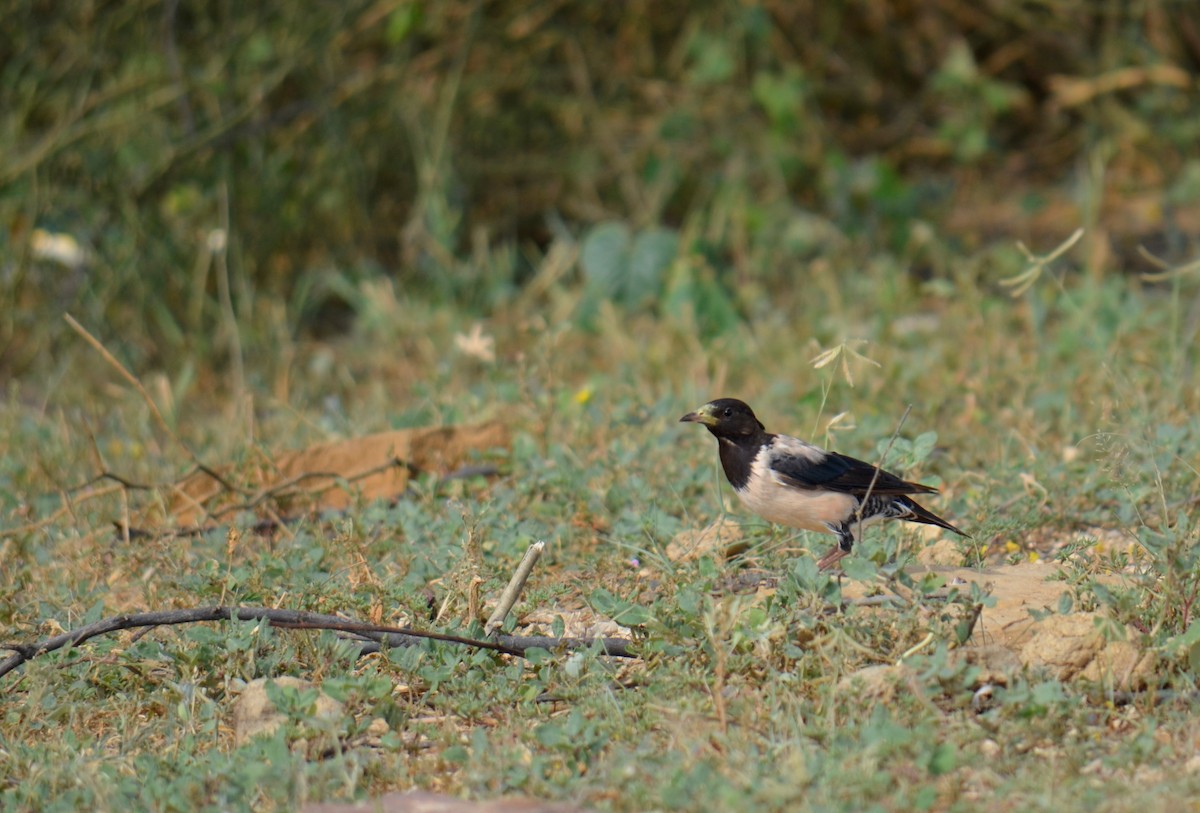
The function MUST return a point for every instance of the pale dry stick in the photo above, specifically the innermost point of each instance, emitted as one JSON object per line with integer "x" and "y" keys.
{"x": 128, "y": 376}
{"x": 1070, "y": 91}
{"x": 98, "y": 456}
{"x": 257, "y": 499}
{"x": 474, "y": 602}
{"x": 429, "y": 152}
{"x": 200, "y": 269}
{"x": 65, "y": 496}
{"x": 280, "y": 523}
{"x": 125, "y": 517}
{"x": 288, "y": 487}
{"x": 903, "y": 593}
{"x": 837, "y": 554}
{"x": 879, "y": 467}
{"x": 66, "y": 509}
{"x": 515, "y": 585}
{"x": 913, "y": 650}
{"x": 78, "y": 124}
{"x": 218, "y": 246}
{"x": 976, "y": 612}
{"x": 195, "y": 504}
{"x": 137, "y": 385}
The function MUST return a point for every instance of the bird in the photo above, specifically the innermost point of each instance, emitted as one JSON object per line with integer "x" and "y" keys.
{"x": 792, "y": 482}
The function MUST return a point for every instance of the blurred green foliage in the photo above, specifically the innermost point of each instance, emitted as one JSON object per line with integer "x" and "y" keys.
{"x": 311, "y": 143}
{"x": 629, "y": 269}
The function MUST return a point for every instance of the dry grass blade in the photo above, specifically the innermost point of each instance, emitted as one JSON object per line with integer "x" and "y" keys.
{"x": 1037, "y": 264}
{"x": 129, "y": 377}
{"x": 846, "y": 351}
{"x": 879, "y": 466}
{"x": 1168, "y": 271}
{"x": 1072, "y": 91}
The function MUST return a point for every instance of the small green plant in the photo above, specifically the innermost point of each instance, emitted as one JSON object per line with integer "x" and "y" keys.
{"x": 974, "y": 103}
{"x": 623, "y": 267}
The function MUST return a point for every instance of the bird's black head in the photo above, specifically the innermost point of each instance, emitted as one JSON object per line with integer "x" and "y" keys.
{"x": 727, "y": 418}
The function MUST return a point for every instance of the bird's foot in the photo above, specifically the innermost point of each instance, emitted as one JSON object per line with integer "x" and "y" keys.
{"x": 830, "y": 559}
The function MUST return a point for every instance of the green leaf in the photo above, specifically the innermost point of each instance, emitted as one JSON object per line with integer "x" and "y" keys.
{"x": 943, "y": 760}
{"x": 1188, "y": 642}
{"x": 715, "y": 311}
{"x": 456, "y": 754}
{"x": 401, "y": 22}
{"x": 1048, "y": 693}
{"x": 923, "y": 445}
{"x": 653, "y": 251}
{"x": 633, "y": 615}
{"x": 94, "y": 613}
{"x": 900, "y": 449}
{"x": 626, "y": 613}
{"x": 536, "y": 655}
{"x": 604, "y": 257}
{"x": 713, "y": 61}
{"x": 575, "y": 663}
{"x": 260, "y": 49}
{"x": 781, "y": 96}
{"x": 710, "y": 303}
{"x": 964, "y": 629}
{"x": 859, "y": 568}
{"x": 552, "y": 734}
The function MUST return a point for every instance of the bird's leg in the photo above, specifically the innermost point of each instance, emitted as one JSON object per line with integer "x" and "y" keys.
{"x": 835, "y": 555}
{"x": 841, "y": 550}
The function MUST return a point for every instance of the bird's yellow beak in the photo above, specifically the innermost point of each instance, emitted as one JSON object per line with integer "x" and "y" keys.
{"x": 702, "y": 415}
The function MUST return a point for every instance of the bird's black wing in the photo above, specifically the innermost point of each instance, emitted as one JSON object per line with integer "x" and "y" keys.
{"x": 837, "y": 472}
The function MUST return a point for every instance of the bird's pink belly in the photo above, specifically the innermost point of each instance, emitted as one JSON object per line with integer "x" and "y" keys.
{"x": 807, "y": 510}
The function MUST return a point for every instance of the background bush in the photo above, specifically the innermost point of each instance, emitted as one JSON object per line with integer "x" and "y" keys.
{"x": 447, "y": 144}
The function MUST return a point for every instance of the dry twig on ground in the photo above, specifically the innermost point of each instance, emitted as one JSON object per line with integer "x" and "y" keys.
{"x": 376, "y": 634}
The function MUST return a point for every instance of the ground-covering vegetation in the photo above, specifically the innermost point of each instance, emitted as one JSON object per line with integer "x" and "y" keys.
{"x": 293, "y": 223}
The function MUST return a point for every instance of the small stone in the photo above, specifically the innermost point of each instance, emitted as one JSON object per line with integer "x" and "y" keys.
{"x": 983, "y": 699}
{"x": 996, "y": 664}
{"x": 722, "y": 538}
{"x": 881, "y": 682}
{"x": 1145, "y": 775}
{"x": 255, "y": 714}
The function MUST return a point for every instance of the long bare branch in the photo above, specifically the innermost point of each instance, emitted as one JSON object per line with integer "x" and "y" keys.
{"x": 378, "y": 634}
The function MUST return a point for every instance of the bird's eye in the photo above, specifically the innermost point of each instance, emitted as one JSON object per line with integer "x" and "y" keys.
{"x": 728, "y": 412}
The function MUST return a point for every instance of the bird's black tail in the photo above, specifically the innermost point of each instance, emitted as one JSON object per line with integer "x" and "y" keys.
{"x": 921, "y": 514}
